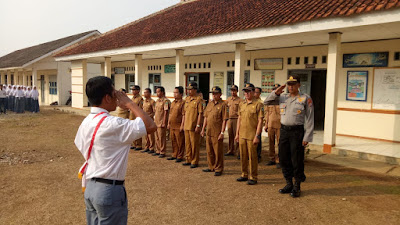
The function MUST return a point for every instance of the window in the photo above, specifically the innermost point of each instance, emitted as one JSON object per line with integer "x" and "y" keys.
{"x": 297, "y": 60}
{"x": 246, "y": 76}
{"x": 230, "y": 81}
{"x": 209, "y": 65}
{"x": 305, "y": 60}
{"x": 53, "y": 85}
{"x": 129, "y": 81}
{"x": 315, "y": 60}
{"x": 154, "y": 81}
{"x": 194, "y": 65}
{"x": 185, "y": 65}
{"x": 190, "y": 66}
{"x": 324, "y": 59}
{"x": 289, "y": 61}
{"x": 228, "y": 63}
{"x": 397, "y": 56}
{"x": 233, "y": 63}
{"x": 199, "y": 65}
{"x": 204, "y": 65}
{"x": 248, "y": 62}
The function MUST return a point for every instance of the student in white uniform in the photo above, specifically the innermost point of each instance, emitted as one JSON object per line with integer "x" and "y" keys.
{"x": 19, "y": 100}
{"x": 28, "y": 99}
{"x": 35, "y": 100}
{"x": 104, "y": 142}
{"x": 3, "y": 98}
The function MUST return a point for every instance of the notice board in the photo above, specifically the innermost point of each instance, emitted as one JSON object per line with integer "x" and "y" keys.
{"x": 386, "y": 90}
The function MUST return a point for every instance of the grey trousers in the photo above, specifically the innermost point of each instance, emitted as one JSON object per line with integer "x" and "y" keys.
{"x": 105, "y": 204}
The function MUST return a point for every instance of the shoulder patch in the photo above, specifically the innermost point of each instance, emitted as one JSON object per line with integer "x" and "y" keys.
{"x": 309, "y": 102}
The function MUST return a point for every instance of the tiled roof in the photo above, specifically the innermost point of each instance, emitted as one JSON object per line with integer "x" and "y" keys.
{"x": 23, "y": 56}
{"x": 209, "y": 17}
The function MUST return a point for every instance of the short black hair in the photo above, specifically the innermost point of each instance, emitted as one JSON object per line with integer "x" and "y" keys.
{"x": 180, "y": 89}
{"x": 148, "y": 89}
{"x": 162, "y": 89}
{"x": 258, "y": 89}
{"x": 97, "y": 88}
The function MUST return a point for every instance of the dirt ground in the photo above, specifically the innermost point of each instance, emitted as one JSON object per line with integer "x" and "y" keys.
{"x": 39, "y": 185}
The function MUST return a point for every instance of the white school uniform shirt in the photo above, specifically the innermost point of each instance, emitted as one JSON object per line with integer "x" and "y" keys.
{"x": 19, "y": 94}
{"x": 34, "y": 94}
{"x": 3, "y": 94}
{"x": 109, "y": 156}
{"x": 28, "y": 94}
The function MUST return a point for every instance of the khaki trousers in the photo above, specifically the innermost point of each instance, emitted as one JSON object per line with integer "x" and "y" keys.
{"x": 233, "y": 145}
{"x": 248, "y": 158}
{"x": 192, "y": 147}
{"x": 178, "y": 143}
{"x": 161, "y": 140}
{"x": 215, "y": 153}
{"x": 273, "y": 134}
{"x": 150, "y": 141}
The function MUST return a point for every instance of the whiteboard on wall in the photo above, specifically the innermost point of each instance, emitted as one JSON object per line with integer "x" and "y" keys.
{"x": 386, "y": 90}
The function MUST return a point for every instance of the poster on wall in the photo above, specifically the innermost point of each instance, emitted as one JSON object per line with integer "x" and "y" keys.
{"x": 219, "y": 79}
{"x": 267, "y": 81}
{"x": 268, "y": 64}
{"x": 169, "y": 68}
{"x": 386, "y": 89}
{"x": 375, "y": 59}
{"x": 357, "y": 84}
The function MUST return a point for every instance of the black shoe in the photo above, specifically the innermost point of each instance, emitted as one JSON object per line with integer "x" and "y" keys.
{"x": 259, "y": 159}
{"x": 161, "y": 156}
{"x": 186, "y": 164}
{"x": 217, "y": 174}
{"x": 296, "y": 190}
{"x": 207, "y": 170}
{"x": 151, "y": 151}
{"x": 288, "y": 188}
{"x": 278, "y": 166}
{"x": 251, "y": 182}
{"x": 241, "y": 179}
{"x": 178, "y": 160}
{"x": 155, "y": 154}
{"x": 303, "y": 179}
{"x": 271, "y": 163}
{"x": 138, "y": 149}
{"x": 194, "y": 166}
{"x": 132, "y": 147}
{"x": 146, "y": 150}
{"x": 229, "y": 154}
{"x": 171, "y": 158}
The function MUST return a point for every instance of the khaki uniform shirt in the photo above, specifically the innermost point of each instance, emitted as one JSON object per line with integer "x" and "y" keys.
{"x": 137, "y": 99}
{"x": 193, "y": 107}
{"x": 162, "y": 104}
{"x": 149, "y": 106}
{"x": 233, "y": 106}
{"x": 176, "y": 114}
{"x": 272, "y": 116}
{"x": 298, "y": 110}
{"x": 249, "y": 114}
{"x": 216, "y": 112}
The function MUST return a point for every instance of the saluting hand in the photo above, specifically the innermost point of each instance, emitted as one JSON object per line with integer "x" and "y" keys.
{"x": 122, "y": 99}
{"x": 280, "y": 89}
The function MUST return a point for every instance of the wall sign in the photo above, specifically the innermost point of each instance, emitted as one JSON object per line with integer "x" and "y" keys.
{"x": 119, "y": 70}
{"x": 357, "y": 85}
{"x": 267, "y": 81}
{"x": 376, "y": 59}
{"x": 268, "y": 64}
{"x": 169, "y": 68}
{"x": 386, "y": 91}
{"x": 219, "y": 79}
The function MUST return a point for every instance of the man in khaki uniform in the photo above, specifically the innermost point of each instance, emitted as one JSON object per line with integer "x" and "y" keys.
{"x": 123, "y": 113}
{"x": 192, "y": 116}
{"x": 215, "y": 117}
{"x": 137, "y": 99}
{"x": 273, "y": 126}
{"x": 175, "y": 126}
{"x": 257, "y": 94}
{"x": 149, "y": 106}
{"x": 161, "y": 119}
{"x": 248, "y": 134}
{"x": 233, "y": 107}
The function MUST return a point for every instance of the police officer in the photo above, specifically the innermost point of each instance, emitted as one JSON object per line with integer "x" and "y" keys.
{"x": 163, "y": 105}
{"x": 215, "y": 117}
{"x": 192, "y": 116}
{"x": 137, "y": 99}
{"x": 257, "y": 94}
{"x": 297, "y": 118}
{"x": 248, "y": 134}
{"x": 149, "y": 106}
{"x": 233, "y": 107}
{"x": 272, "y": 127}
{"x": 175, "y": 125}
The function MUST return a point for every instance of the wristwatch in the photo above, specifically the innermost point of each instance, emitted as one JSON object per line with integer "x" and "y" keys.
{"x": 258, "y": 136}
{"x": 222, "y": 132}
{"x": 197, "y": 125}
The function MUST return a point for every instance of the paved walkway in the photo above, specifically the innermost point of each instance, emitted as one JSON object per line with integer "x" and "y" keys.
{"x": 349, "y": 152}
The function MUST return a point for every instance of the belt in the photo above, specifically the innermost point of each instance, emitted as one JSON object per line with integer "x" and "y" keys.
{"x": 295, "y": 127}
{"x": 106, "y": 181}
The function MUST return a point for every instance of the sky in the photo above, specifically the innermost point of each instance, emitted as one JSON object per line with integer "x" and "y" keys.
{"x": 25, "y": 23}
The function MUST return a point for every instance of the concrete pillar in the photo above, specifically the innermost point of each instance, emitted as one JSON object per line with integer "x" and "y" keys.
{"x": 24, "y": 78}
{"x": 46, "y": 90}
{"x": 8, "y": 75}
{"x": 138, "y": 70}
{"x": 179, "y": 68}
{"x": 2, "y": 77}
{"x": 78, "y": 83}
{"x": 106, "y": 68}
{"x": 34, "y": 77}
{"x": 239, "y": 66}
{"x": 16, "y": 77}
{"x": 332, "y": 78}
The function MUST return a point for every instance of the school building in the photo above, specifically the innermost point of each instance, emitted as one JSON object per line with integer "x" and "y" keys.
{"x": 36, "y": 66}
{"x": 346, "y": 52}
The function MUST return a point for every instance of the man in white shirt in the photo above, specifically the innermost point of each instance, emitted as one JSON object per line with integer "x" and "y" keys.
{"x": 104, "y": 141}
